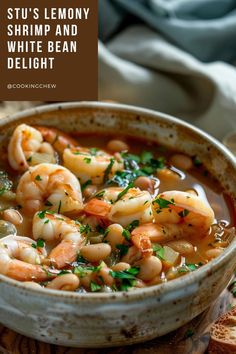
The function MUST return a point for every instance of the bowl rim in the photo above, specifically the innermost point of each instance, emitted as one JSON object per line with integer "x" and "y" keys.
{"x": 159, "y": 289}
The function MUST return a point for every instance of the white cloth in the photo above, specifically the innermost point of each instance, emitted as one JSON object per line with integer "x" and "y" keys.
{"x": 139, "y": 67}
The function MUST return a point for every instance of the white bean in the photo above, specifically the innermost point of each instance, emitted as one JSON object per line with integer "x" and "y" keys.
{"x": 182, "y": 246}
{"x": 145, "y": 184}
{"x": 213, "y": 253}
{"x": 114, "y": 236}
{"x": 150, "y": 267}
{"x": 120, "y": 267}
{"x": 96, "y": 252}
{"x": 168, "y": 175}
{"x": 32, "y": 285}
{"x": 116, "y": 145}
{"x": 13, "y": 216}
{"x": 67, "y": 282}
{"x": 181, "y": 161}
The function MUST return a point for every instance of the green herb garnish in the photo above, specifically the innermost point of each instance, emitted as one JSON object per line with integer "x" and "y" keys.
{"x": 85, "y": 229}
{"x": 146, "y": 157}
{"x": 93, "y": 151}
{"x": 126, "y": 234}
{"x": 158, "y": 250}
{"x": 132, "y": 225}
{"x": 126, "y": 277}
{"x": 99, "y": 195}
{"x": 38, "y": 178}
{"x": 85, "y": 184}
{"x": 121, "y": 194}
{"x": 40, "y": 243}
{"x": 163, "y": 203}
{"x": 183, "y": 213}
{"x": 41, "y": 214}
{"x": 123, "y": 249}
{"x": 87, "y": 160}
{"x": 94, "y": 286}
{"x": 108, "y": 170}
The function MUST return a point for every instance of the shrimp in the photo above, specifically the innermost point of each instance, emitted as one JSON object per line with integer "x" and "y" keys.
{"x": 24, "y": 142}
{"x": 120, "y": 206}
{"x": 49, "y": 186}
{"x": 90, "y": 164}
{"x": 56, "y": 228}
{"x": 21, "y": 259}
{"x": 183, "y": 211}
{"x": 58, "y": 139}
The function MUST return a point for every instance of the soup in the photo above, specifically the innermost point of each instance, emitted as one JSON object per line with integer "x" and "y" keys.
{"x": 102, "y": 213}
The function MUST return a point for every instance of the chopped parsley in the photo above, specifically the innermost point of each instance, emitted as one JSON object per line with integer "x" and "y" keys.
{"x": 126, "y": 234}
{"x": 41, "y": 214}
{"x": 163, "y": 203}
{"x": 188, "y": 267}
{"x": 87, "y": 160}
{"x": 127, "y": 278}
{"x": 93, "y": 151}
{"x": 85, "y": 229}
{"x": 100, "y": 194}
{"x": 192, "y": 266}
{"x": 83, "y": 269}
{"x": 85, "y": 184}
{"x": 136, "y": 166}
{"x": 146, "y": 157}
{"x": 94, "y": 286}
{"x": 108, "y": 170}
{"x": 39, "y": 243}
{"x": 183, "y": 213}
{"x": 123, "y": 249}
{"x": 81, "y": 259}
{"x": 121, "y": 194}
{"x": 38, "y": 178}
{"x": 132, "y": 225}
{"x": 158, "y": 250}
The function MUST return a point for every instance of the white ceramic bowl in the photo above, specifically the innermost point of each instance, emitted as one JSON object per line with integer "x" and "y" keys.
{"x": 100, "y": 320}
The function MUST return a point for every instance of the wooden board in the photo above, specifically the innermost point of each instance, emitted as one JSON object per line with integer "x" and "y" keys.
{"x": 192, "y": 338}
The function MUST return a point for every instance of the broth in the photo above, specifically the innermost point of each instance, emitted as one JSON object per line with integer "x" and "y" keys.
{"x": 146, "y": 214}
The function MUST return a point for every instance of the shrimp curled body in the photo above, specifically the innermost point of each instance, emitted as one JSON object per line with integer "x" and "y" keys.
{"x": 21, "y": 261}
{"x": 56, "y": 228}
{"x": 181, "y": 214}
{"x": 26, "y": 141}
{"x": 49, "y": 186}
{"x": 91, "y": 166}
{"x": 133, "y": 205}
